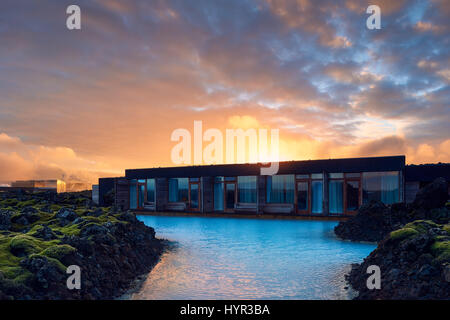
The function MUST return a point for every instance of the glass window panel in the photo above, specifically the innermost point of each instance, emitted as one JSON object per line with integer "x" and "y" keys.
{"x": 150, "y": 190}
{"x": 302, "y": 176}
{"x": 336, "y": 175}
{"x": 316, "y": 196}
{"x": 218, "y": 195}
{"x": 133, "y": 194}
{"x": 178, "y": 190}
{"x": 336, "y": 196}
{"x": 247, "y": 189}
{"x": 218, "y": 179}
{"x": 352, "y": 195}
{"x": 141, "y": 195}
{"x": 141, "y": 180}
{"x": 230, "y": 178}
{"x": 280, "y": 189}
{"x": 230, "y": 195}
{"x": 302, "y": 196}
{"x": 353, "y": 175}
{"x": 381, "y": 186}
{"x": 194, "y": 179}
{"x": 317, "y": 176}
{"x": 194, "y": 196}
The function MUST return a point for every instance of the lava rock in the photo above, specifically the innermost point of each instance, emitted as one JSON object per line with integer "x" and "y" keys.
{"x": 45, "y": 233}
{"x": 5, "y": 219}
{"x": 66, "y": 214}
{"x": 434, "y": 195}
{"x": 26, "y": 217}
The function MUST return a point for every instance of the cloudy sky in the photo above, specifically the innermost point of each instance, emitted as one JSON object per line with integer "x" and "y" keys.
{"x": 95, "y": 101}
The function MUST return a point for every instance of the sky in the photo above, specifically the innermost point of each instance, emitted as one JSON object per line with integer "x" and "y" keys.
{"x": 79, "y": 104}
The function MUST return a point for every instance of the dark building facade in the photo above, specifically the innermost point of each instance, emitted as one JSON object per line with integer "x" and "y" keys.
{"x": 334, "y": 187}
{"x": 418, "y": 176}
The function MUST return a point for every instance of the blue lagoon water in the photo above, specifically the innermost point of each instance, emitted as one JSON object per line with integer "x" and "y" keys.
{"x": 229, "y": 258}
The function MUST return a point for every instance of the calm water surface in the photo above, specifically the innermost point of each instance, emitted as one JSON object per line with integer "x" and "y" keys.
{"x": 228, "y": 258}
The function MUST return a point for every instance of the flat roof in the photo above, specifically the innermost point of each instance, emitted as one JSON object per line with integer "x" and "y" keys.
{"x": 369, "y": 164}
{"x": 427, "y": 172}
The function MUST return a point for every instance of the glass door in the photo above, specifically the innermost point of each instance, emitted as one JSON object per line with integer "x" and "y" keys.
{"x": 194, "y": 196}
{"x": 230, "y": 196}
{"x": 141, "y": 194}
{"x": 303, "y": 197}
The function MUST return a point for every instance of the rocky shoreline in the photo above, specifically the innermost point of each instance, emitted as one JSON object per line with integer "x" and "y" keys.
{"x": 41, "y": 234}
{"x": 413, "y": 251}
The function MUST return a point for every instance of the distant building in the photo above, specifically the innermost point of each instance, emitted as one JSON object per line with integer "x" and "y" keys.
{"x": 55, "y": 185}
{"x": 72, "y": 186}
{"x": 418, "y": 176}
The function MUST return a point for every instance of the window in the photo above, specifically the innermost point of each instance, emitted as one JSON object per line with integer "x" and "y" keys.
{"x": 302, "y": 176}
{"x": 353, "y": 175}
{"x": 133, "y": 194}
{"x": 302, "y": 195}
{"x": 247, "y": 189}
{"x": 141, "y": 194}
{"x": 280, "y": 189}
{"x": 352, "y": 195}
{"x": 336, "y": 196}
{"x": 150, "y": 190}
{"x": 316, "y": 196}
{"x": 382, "y": 186}
{"x": 178, "y": 190}
{"x": 218, "y": 194}
{"x": 336, "y": 175}
{"x": 317, "y": 176}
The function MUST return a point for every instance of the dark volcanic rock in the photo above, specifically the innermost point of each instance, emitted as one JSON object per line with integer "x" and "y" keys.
{"x": 414, "y": 262}
{"x": 66, "y": 214}
{"x": 434, "y": 195}
{"x": 45, "y": 272}
{"x": 26, "y": 217}
{"x": 45, "y": 233}
{"x": 96, "y": 213}
{"x": 370, "y": 224}
{"x": 5, "y": 219}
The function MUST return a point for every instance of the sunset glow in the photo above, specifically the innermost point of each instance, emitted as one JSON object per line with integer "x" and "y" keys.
{"x": 82, "y": 104}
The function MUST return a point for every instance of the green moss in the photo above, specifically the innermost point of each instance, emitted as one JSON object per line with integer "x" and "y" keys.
{"x": 11, "y": 202}
{"x": 441, "y": 250}
{"x": 421, "y": 225}
{"x": 447, "y": 228}
{"x": 28, "y": 245}
{"x": 55, "y": 207}
{"x": 58, "y": 251}
{"x": 52, "y": 261}
{"x": 403, "y": 233}
{"x": 68, "y": 230}
{"x": 27, "y": 203}
{"x": 7, "y": 259}
{"x": 24, "y": 243}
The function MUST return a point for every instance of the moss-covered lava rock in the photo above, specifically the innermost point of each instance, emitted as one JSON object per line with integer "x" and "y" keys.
{"x": 414, "y": 262}
{"x": 41, "y": 234}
